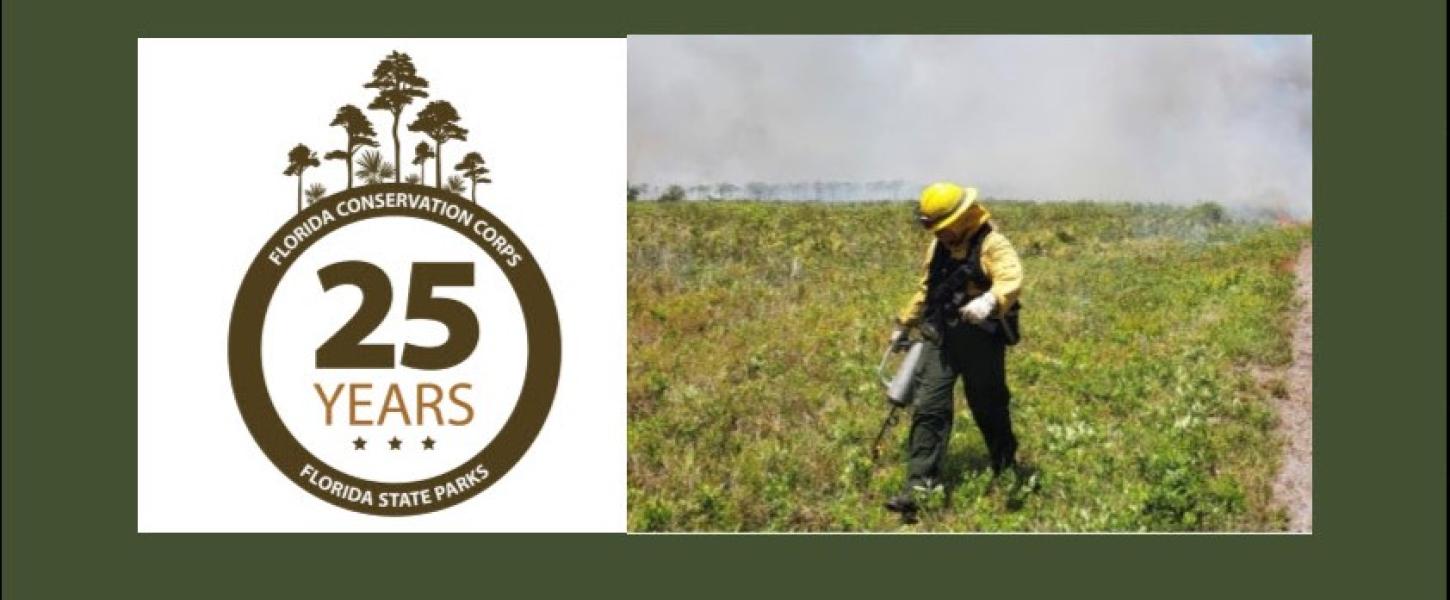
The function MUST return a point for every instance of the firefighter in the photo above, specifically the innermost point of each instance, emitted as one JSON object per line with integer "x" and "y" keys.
{"x": 965, "y": 309}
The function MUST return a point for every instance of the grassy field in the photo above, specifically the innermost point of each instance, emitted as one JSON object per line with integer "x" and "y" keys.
{"x": 1153, "y": 339}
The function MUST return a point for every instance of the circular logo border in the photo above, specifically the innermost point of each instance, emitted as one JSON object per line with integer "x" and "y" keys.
{"x": 541, "y": 379}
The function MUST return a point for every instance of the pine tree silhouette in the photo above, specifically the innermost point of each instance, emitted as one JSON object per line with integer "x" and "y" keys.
{"x": 473, "y": 170}
{"x": 298, "y": 160}
{"x": 359, "y": 135}
{"x": 421, "y": 154}
{"x": 439, "y": 121}
{"x": 398, "y": 83}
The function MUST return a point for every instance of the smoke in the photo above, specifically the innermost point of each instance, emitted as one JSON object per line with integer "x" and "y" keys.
{"x": 1175, "y": 119}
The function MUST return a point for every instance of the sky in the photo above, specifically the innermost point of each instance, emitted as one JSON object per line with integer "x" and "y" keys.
{"x": 1175, "y": 119}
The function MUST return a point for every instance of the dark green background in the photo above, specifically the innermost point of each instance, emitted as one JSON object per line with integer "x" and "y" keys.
{"x": 70, "y": 337}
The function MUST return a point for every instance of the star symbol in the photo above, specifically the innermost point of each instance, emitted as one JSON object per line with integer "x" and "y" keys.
{"x": 428, "y": 443}
{"x": 359, "y": 444}
{"x": 395, "y": 443}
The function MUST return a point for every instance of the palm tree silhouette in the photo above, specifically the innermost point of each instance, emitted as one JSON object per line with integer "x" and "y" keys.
{"x": 359, "y": 134}
{"x": 439, "y": 120}
{"x": 315, "y": 192}
{"x": 373, "y": 169}
{"x": 421, "y": 155}
{"x": 298, "y": 160}
{"x": 455, "y": 185}
{"x": 398, "y": 83}
{"x": 473, "y": 170}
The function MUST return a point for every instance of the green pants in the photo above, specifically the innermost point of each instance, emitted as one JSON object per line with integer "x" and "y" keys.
{"x": 978, "y": 357}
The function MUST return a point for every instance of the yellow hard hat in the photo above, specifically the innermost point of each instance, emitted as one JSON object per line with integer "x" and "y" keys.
{"x": 942, "y": 204}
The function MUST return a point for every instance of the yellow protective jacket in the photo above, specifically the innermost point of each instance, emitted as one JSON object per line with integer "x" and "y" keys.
{"x": 999, "y": 261}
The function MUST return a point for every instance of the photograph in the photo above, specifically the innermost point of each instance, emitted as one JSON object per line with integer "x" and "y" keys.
{"x": 970, "y": 284}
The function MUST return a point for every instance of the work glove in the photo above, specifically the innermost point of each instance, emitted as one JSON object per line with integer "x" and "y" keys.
{"x": 980, "y": 308}
{"x": 899, "y": 340}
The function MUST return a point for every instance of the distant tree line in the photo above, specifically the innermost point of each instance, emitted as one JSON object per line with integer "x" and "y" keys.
{"x": 829, "y": 191}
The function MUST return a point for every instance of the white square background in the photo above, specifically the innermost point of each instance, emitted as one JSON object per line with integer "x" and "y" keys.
{"x": 215, "y": 121}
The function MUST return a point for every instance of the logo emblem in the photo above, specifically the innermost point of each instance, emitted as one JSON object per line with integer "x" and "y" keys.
{"x": 394, "y": 347}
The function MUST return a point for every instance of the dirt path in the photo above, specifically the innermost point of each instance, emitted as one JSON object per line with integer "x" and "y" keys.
{"x": 1294, "y": 484}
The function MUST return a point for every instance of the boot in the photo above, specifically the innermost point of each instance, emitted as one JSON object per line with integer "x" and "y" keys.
{"x": 904, "y": 503}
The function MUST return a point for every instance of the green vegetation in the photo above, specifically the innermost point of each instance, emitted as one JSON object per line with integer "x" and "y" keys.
{"x": 1142, "y": 390}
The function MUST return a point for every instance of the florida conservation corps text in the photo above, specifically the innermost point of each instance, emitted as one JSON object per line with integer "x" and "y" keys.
{"x": 344, "y": 210}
